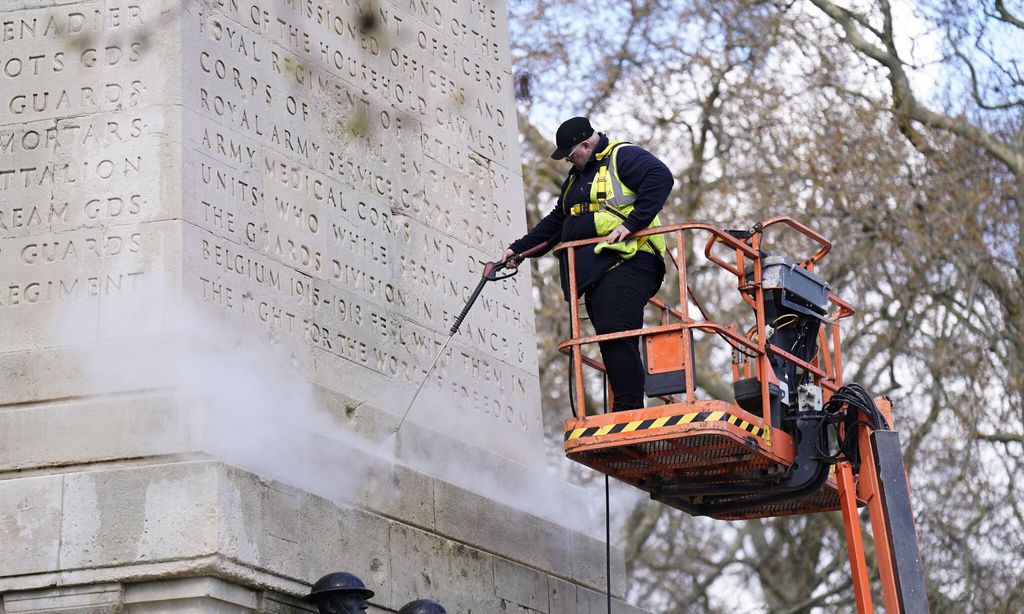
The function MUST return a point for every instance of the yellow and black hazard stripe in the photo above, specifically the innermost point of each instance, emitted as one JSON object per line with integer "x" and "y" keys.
{"x": 657, "y": 423}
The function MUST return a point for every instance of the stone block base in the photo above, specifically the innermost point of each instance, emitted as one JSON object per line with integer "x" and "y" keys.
{"x": 199, "y": 594}
{"x": 196, "y": 535}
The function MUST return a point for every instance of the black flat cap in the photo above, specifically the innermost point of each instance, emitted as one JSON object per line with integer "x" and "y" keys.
{"x": 571, "y": 133}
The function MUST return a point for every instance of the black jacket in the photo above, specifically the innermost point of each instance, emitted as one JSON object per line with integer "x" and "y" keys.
{"x": 641, "y": 171}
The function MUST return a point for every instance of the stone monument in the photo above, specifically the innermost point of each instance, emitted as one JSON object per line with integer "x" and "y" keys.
{"x": 233, "y": 236}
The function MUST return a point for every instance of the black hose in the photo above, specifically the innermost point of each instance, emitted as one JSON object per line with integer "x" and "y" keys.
{"x": 607, "y": 513}
{"x": 846, "y": 407}
{"x": 607, "y": 495}
{"x": 809, "y": 476}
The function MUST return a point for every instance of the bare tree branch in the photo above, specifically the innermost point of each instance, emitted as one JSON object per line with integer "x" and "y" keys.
{"x": 905, "y": 103}
{"x": 1002, "y": 437}
{"x": 639, "y": 11}
{"x": 1005, "y": 15}
{"x": 976, "y": 94}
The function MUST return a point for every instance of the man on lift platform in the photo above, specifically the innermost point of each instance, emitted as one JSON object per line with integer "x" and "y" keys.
{"x": 613, "y": 189}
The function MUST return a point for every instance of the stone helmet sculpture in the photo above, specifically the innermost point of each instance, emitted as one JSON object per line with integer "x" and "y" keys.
{"x": 423, "y": 606}
{"x": 339, "y": 593}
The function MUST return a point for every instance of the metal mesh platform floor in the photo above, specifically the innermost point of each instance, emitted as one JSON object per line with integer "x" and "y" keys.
{"x": 703, "y": 461}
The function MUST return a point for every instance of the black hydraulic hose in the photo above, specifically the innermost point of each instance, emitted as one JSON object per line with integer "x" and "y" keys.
{"x": 736, "y": 505}
{"x": 607, "y": 509}
{"x": 607, "y": 514}
{"x": 856, "y": 400}
{"x": 804, "y": 481}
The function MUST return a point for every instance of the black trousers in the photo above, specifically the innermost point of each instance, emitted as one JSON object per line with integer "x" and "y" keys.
{"x": 616, "y": 303}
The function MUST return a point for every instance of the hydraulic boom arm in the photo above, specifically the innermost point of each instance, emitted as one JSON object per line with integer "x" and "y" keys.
{"x": 881, "y": 481}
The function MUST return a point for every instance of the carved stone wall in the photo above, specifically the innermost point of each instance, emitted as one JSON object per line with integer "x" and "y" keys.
{"x": 233, "y": 236}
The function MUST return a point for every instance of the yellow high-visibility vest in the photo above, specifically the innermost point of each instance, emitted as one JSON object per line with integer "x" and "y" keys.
{"x": 611, "y": 202}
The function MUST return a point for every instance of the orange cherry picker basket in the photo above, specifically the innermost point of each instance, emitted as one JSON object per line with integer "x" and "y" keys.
{"x": 767, "y": 451}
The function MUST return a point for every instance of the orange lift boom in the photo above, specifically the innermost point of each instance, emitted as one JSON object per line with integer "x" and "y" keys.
{"x": 795, "y": 441}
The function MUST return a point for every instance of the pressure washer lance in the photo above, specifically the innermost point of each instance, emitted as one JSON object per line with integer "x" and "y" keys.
{"x": 492, "y": 272}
